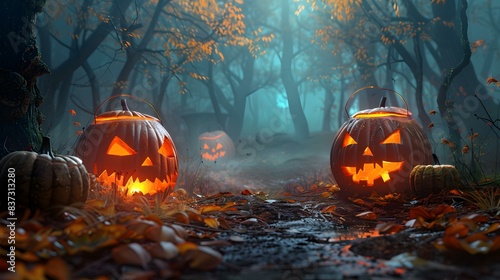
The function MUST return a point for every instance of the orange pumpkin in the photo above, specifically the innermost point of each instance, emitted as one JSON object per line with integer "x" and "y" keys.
{"x": 216, "y": 146}
{"x": 376, "y": 149}
{"x": 129, "y": 149}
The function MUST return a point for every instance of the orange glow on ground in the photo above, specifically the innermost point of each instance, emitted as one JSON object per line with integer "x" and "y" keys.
{"x": 372, "y": 171}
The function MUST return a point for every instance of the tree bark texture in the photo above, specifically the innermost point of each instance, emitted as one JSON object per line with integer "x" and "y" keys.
{"x": 20, "y": 65}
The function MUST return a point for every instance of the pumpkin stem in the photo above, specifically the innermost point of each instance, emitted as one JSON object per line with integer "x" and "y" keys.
{"x": 383, "y": 100}
{"x": 124, "y": 105}
{"x": 46, "y": 147}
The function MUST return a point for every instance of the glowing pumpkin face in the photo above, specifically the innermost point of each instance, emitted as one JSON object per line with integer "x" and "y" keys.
{"x": 375, "y": 150}
{"x": 216, "y": 146}
{"x": 131, "y": 150}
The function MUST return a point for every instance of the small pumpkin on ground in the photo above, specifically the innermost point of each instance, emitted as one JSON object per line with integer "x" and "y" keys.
{"x": 43, "y": 180}
{"x": 428, "y": 179}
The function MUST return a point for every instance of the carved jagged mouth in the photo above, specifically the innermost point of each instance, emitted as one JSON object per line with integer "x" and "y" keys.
{"x": 213, "y": 157}
{"x": 134, "y": 185}
{"x": 372, "y": 171}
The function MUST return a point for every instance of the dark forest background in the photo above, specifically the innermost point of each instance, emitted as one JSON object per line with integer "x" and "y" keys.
{"x": 260, "y": 68}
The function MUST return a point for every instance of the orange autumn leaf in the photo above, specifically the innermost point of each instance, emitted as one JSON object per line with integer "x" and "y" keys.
{"x": 246, "y": 192}
{"x": 186, "y": 246}
{"x": 367, "y": 215}
{"x": 210, "y": 208}
{"x": 457, "y": 230}
{"x": 329, "y": 209}
{"x": 431, "y": 214}
{"x": 388, "y": 228}
{"x": 465, "y": 149}
{"x": 492, "y": 80}
{"x": 211, "y": 222}
{"x": 492, "y": 228}
{"x": 76, "y": 124}
{"x": 72, "y": 112}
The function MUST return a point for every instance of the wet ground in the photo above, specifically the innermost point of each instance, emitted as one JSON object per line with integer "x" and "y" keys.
{"x": 292, "y": 238}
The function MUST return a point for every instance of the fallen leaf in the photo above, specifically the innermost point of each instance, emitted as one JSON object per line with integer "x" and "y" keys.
{"x": 203, "y": 258}
{"x": 162, "y": 233}
{"x": 57, "y": 268}
{"x": 236, "y": 239}
{"x": 329, "y": 209}
{"x": 211, "y": 222}
{"x": 163, "y": 250}
{"x": 367, "y": 215}
{"x": 250, "y": 221}
{"x": 131, "y": 254}
{"x": 246, "y": 192}
{"x": 186, "y": 246}
{"x": 388, "y": 228}
{"x": 223, "y": 223}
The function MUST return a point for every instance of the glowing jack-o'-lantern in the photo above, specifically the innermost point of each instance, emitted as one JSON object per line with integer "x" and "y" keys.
{"x": 129, "y": 149}
{"x": 216, "y": 146}
{"x": 376, "y": 149}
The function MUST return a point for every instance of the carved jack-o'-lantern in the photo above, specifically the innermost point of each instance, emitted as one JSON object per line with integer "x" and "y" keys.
{"x": 216, "y": 146}
{"x": 376, "y": 149}
{"x": 129, "y": 149}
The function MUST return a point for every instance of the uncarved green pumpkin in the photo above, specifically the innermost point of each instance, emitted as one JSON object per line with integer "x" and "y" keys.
{"x": 44, "y": 180}
{"x": 428, "y": 179}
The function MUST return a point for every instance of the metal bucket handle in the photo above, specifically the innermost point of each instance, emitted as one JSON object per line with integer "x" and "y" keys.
{"x": 131, "y": 96}
{"x": 375, "y": 87}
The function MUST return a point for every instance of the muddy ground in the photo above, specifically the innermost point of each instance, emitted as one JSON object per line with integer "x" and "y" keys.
{"x": 292, "y": 238}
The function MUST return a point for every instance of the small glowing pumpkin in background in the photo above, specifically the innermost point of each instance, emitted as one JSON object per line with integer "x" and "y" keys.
{"x": 44, "y": 180}
{"x": 129, "y": 149}
{"x": 216, "y": 146}
{"x": 376, "y": 149}
{"x": 432, "y": 179}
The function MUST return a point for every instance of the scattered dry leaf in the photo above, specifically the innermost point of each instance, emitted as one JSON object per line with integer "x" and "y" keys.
{"x": 203, "y": 258}
{"x": 329, "y": 209}
{"x": 211, "y": 222}
{"x": 131, "y": 254}
{"x": 367, "y": 215}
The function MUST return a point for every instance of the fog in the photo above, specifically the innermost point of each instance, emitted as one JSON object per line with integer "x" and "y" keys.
{"x": 275, "y": 75}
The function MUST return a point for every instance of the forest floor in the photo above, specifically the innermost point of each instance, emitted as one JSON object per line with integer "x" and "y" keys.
{"x": 276, "y": 216}
{"x": 303, "y": 229}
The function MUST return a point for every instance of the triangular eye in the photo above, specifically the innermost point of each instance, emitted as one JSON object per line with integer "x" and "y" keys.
{"x": 147, "y": 162}
{"x": 219, "y": 146}
{"x": 119, "y": 148}
{"x": 394, "y": 138}
{"x": 205, "y": 146}
{"x": 166, "y": 149}
{"x": 348, "y": 140}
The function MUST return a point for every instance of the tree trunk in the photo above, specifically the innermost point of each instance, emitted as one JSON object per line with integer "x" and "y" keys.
{"x": 20, "y": 65}
{"x": 86, "y": 49}
{"x": 292, "y": 91}
{"x": 327, "y": 109}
